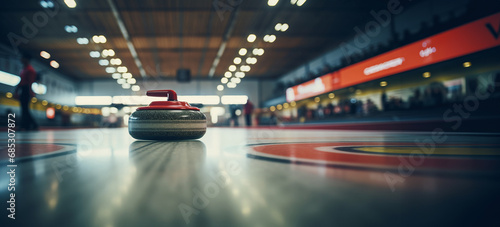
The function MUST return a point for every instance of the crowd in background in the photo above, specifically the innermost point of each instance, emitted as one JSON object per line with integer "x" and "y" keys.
{"x": 426, "y": 30}
{"x": 430, "y": 97}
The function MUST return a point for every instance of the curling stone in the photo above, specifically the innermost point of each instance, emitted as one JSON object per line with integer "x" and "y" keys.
{"x": 167, "y": 120}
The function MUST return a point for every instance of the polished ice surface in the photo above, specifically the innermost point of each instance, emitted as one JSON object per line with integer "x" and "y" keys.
{"x": 106, "y": 178}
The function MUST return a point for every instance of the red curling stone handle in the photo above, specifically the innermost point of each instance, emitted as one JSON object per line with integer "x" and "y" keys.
{"x": 172, "y": 96}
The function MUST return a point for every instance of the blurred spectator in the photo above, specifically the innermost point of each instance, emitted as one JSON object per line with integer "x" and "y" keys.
{"x": 416, "y": 100}
{"x": 248, "y": 108}
{"x": 383, "y": 100}
{"x": 24, "y": 93}
{"x": 320, "y": 112}
{"x": 234, "y": 117}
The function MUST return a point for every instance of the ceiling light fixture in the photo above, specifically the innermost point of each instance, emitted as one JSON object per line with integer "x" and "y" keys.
{"x": 242, "y": 51}
{"x": 45, "y": 54}
{"x": 272, "y": 2}
{"x": 116, "y": 75}
{"x": 116, "y": 61}
{"x": 251, "y": 38}
{"x": 131, "y": 81}
{"x": 136, "y": 88}
{"x": 94, "y": 54}
{"x": 70, "y": 3}
{"x": 122, "y": 69}
{"x": 127, "y": 75}
{"x": 103, "y": 62}
{"x": 71, "y": 29}
{"x": 82, "y": 41}
{"x": 54, "y": 64}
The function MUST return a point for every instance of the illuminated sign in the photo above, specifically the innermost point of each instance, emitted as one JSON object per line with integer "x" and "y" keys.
{"x": 383, "y": 66}
{"x": 314, "y": 87}
{"x": 467, "y": 39}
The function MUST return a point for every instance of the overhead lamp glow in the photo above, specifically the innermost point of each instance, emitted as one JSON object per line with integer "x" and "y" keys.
{"x": 93, "y": 100}
{"x": 116, "y": 75}
{"x": 71, "y": 29}
{"x": 236, "y": 80}
{"x": 47, "y": 4}
{"x": 245, "y": 68}
{"x": 234, "y": 99}
{"x": 266, "y": 38}
{"x": 284, "y": 27}
{"x": 251, "y": 38}
{"x": 240, "y": 74}
{"x": 121, "y": 81}
{"x": 426, "y": 74}
{"x": 70, "y": 3}
{"x": 131, "y": 81}
{"x": 108, "y": 52}
{"x": 277, "y": 27}
{"x": 251, "y": 60}
{"x": 136, "y": 88}
{"x": 116, "y": 61}
{"x": 269, "y": 38}
{"x": 301, "y": 2}
{"x": 94, "y": 54}
{"x": 281, "y": 27}
{"x": 103, "y": 62}
{"x": 224, "y": 80}
{"x": 242, "y": 51}
{"x": 9, "y": 79}
{"x": 110, "y": 69}
{"x": 122, "y": 69}
{"x": 39, "y": 88}
{"x": 127, "y": 75}
{"x": 220, "y": 87}
{"x": 232, "y": 68}
{"x": 231, "y": 85}
{"x": 467, "y": 64}
{"x": 54, "y": 64}
{"x": 383, "y": 83}
{"x": 237, "y": 60}
{"x": 228, "y": 74}
{"x": 272, "y": 2}
{"x": 258, "y": 51}
{"x": 99, "y": 39}
{"x": 44, "y": 54}
{"x": 126, "y": 86}
{"x": 82, "y": 41}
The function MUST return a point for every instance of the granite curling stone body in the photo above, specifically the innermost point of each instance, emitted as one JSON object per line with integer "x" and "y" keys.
{"x": 167, "y": 120}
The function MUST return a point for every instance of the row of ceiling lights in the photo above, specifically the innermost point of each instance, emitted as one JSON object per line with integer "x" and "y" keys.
{"x": 233, "y": 76}
{"x": 69, "y": 28}
{"x": 113, "y": 65}
{"x": 46, "y": 55}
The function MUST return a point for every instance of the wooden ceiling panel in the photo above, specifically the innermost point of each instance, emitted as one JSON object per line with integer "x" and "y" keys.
{"x": 168, "y": 35}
